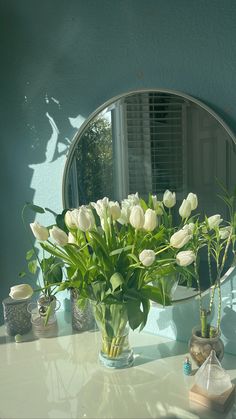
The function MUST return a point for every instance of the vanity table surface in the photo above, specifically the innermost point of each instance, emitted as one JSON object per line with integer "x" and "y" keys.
{"x": 60, "y": 377}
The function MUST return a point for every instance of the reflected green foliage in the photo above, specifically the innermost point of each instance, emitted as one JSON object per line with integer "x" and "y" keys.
{"x": 94, "y": 161}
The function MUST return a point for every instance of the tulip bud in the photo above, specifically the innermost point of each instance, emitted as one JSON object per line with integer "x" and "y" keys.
{"x": 115, "y": 210}
{"x": 214, "y": 221}
{"x": 40, "y": 232}
{"x": 59, "y": 236}
{"x": 185, "y": 209}
{"x": 136, "y": 218}
{"x": 147, "y": 257}
{"x": 192, "y": 198}
{"x": 180, "y": 238}
{"x": 85, "y": 219}
{"x": 21, "y": 292}
{"x": 169, "y": 199}
{"x": 71, "y": 219}
{"x": 150, "y": 220}
{"x": 185, "y": 258}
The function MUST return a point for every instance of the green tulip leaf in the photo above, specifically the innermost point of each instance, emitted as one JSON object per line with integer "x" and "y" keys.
{"x": 29, "y": 254}
{"x": 54, "y": 274}
{"x": 155, "y": 294}
{"x": 116, "y": 280}
{"x": 143, "y": 204}
{"x": 60, "y": 221}
{"x": 118, "y": 251}
{"x": 146, "y": 308}
{"x": 32, "y": 266}
{"x": 22, "y": 274}
{"x": 135, "y": 315}
{"x": 35, "y": 208}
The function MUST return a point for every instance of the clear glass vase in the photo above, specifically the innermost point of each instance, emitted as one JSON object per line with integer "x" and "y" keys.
{"x": 81, "y": 319}
{"x": 112, "y": 321}
{"x": 44, "y": 323}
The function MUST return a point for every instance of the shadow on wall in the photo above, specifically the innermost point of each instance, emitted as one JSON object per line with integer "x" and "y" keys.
{"x": 37, "y": 132}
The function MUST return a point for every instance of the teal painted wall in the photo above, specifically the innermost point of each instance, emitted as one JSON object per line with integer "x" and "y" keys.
{"x": 61, "y": 59}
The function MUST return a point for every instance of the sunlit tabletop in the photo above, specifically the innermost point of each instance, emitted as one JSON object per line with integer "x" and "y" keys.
{"x": 60, "y": 377}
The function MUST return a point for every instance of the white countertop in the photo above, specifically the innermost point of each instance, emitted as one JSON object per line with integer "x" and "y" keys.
{"x": 60, "y": 377}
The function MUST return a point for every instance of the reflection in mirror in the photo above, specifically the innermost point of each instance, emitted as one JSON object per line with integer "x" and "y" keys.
{"x": 151, "y": 141}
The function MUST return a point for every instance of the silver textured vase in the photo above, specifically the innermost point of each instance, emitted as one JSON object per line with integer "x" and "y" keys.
{"x": 81, "y": 319}
{"x": 16, "y": 316}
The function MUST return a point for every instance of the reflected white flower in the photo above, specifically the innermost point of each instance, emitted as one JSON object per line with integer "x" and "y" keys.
{"x": 185, "y": 209}
{"x": 192, "y": 198}
{"x": 185, "y": 258}
{"x": 147, "y": 257}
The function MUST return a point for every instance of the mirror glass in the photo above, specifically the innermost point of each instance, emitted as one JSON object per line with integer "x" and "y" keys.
{"x": 152, "y": 140}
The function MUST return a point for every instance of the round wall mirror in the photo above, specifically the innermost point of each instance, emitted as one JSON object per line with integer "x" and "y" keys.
{"x": 149, "y": 141}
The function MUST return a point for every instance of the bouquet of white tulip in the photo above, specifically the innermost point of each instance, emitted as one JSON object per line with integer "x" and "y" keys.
{"x": 113, "y": 252}
{"x": 123, "y": 254}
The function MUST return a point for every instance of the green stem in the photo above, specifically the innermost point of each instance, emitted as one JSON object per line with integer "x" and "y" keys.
{"x": 198, "y": 284}
{"x": 219, "y": 309}
{"x": 135, "y": 238}
{"x": 203, "y": 318}
{"x": 209, "y": 263}
{"x": 162, "y": 250}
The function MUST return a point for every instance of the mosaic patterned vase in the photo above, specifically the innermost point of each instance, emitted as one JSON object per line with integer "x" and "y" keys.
{"x": 16, "y": 316}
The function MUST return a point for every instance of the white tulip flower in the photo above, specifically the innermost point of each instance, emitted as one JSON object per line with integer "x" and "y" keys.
{"x": 185, "y": 209}
{"x": 59, "y": 236}
{"x": 101, "y": 207}
{"x": 147, "y": 257}
{"x": 192, "y": 198}
{"x": 85, "y": 219}
{"x": 71, "y": 219}
{"x": 169, "y": 199}
{"x": 214, "y": 221}
{"x": 150, "y": 220}
{"x": 133, "y": 199}
{"x": 136, "y": 218}
{"x": 124, "y": 215}
{"x": 40, "y": 232}
{"x": 115, "y": 210}
{"x": 185, "y": 258}
{"x": 21, "y": 292}
{"x": 180, "y": 238}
